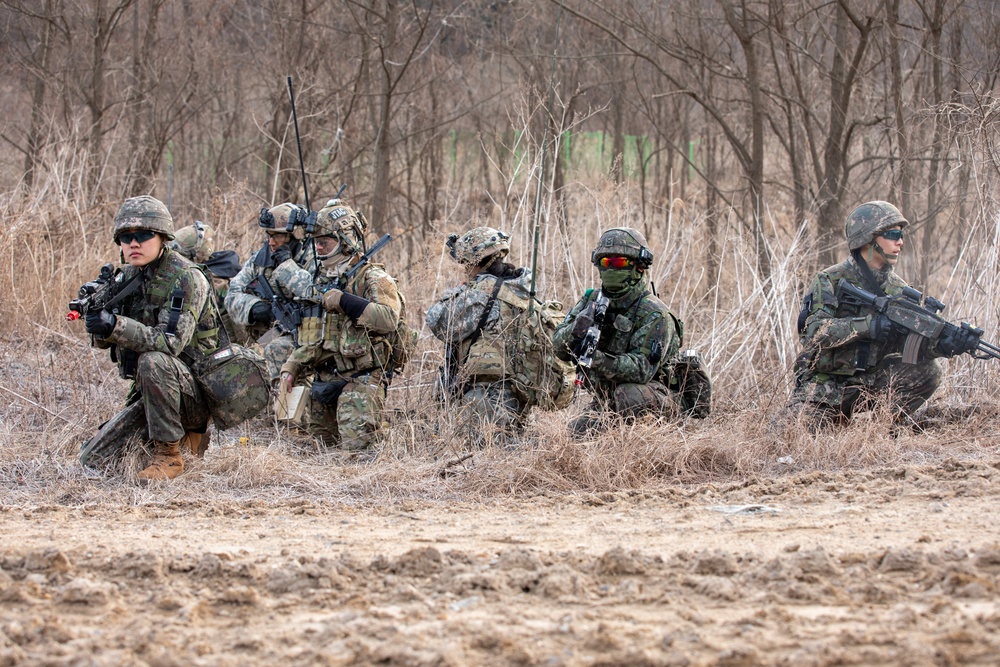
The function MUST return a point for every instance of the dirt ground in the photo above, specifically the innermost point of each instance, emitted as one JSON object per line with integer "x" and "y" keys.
{"x": 892, "y": 567}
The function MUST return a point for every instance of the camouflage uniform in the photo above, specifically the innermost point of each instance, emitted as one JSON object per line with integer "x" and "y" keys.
{"x": 478, "y": 373}
{"x": 347, "y": 346}
{"x": 155, "y": 345}
{"x": 638, "y": 338}
{"x": 293, "y": 279}
{"x": 842, "y": 368}
{"x": 197, "y": 243}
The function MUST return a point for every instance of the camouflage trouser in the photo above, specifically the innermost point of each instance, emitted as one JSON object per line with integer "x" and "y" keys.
{"x": 490, "y": 411}
{"x": 904, "y": 387}
{"x": 171, "y": 397}
{"x": 276, "y": 353}
{"x": 354, "y": 420}
{"x": 627, "y": 400}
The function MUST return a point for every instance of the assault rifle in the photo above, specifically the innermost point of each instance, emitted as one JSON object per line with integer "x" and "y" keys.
{"x": 378, "y": 245}
{"x": 104, "y": 292}
{"x": 918, "y": 317}
{"x": 346, "y": 278}
{"x": 285, "y": 314}
{"x": 595, "y": 311}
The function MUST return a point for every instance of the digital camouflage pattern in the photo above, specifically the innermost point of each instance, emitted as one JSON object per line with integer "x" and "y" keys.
{"x": 337, "y": 348}
{"x": 837, "y": 340}
{"x": 294, "y": 279}
{"x": 623, "y": 242}
{"x": 145, "y": 212}
{"x": 512, "y": 349}
{"x": 235, "y": 383}
{"x": 195, "y": 242}
{"x": 477, "y": 244}
{"x": 638, "y": 339}
{"x": 172, "y": 400}
{"x": 868, "y": 219}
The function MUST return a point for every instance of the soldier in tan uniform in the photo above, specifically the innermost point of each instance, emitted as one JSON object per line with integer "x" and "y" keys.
{"x": 344, "y": 339}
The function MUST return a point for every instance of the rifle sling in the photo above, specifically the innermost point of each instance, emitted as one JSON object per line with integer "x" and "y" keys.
{"x": 482, "y": 320}
{"x": 134, "y": 283}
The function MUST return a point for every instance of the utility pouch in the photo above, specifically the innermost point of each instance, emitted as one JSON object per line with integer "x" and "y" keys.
{"x": 327, "y": 393}
{"x": 129, "y": 365}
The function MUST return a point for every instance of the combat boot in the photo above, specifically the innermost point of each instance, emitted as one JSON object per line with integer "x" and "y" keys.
{"x": 196, "y": 443}
{"x": 166, "y": 464}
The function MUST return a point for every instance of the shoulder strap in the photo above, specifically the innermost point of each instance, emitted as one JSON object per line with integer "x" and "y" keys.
{"x": 866, "y": 274}
{"x": 486, "y": 313}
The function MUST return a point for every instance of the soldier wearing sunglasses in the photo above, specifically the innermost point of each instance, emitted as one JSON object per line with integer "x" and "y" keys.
{"x": 159, "y": 325}
{"x": 638, "y": 336}
{"x": 852, "y": 357}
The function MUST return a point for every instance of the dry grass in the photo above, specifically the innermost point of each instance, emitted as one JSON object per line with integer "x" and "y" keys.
{"x": 57, "y": 390}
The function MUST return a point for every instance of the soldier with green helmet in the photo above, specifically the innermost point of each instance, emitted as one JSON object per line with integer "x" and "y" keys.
{"x": 161, "y": 325}
{"x": 630, "y": 372}
{"x": 475, "y": 321}
{"x": 289, "y": 264}
{"x": 852, "y": 355}
{"x": 345, "y": 337}
{"x": 197, "y": 243}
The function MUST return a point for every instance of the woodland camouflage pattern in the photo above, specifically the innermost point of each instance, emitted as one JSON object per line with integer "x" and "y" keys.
{"x": 868, "y": 219}
{"x": 173, "y": 402}
{"x": 624, "y": 376}
{"x": 834, "y": 341}
{"x": 339, "y": 349}
{"x": 145, "y": 212}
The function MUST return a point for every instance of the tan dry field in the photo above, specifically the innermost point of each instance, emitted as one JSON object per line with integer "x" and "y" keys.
{"x": 896, "y": 567}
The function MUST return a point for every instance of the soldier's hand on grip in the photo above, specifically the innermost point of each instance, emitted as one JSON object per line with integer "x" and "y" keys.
{"x": 881, "y": 328}
{"x": 584, "y": 320}
{"x": 331, "y": 300}
{"x": 261, "y": 313}
{"x": 100, "y": 323}
{"x": 281, "y": 255}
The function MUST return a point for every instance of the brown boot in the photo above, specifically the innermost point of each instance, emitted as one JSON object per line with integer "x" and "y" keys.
{"x": 196, "y": 443}
{"x": 166, "y": 464}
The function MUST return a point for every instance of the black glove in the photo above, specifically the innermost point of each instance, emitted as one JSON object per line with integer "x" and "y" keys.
{"x": 280, "y": 255}
{"x": 261, "y": 313}
{"x": 583, "y": 321}
{"x": 881, "y": 328}
{"x": 100, "y": 323}
{"x": 959, "y": 340}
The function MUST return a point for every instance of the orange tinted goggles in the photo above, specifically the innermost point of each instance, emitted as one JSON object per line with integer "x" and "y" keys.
{"x": 615, "y": 262}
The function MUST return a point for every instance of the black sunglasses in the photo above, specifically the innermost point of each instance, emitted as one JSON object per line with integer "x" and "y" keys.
{"x": 140, "y": 236}
{"x": 892, "y": 234}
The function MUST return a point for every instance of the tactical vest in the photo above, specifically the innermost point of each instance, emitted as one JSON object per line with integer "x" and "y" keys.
{"x": 353, "y": 348}
{"x": 159, "y": 292}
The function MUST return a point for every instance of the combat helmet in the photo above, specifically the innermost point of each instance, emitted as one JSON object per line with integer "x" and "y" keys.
{"x": 340, "y": 220}
{"x": 866, "y": 221}
{"x": 623, "y": 242}
{"x": 143, "y": 213}
{"x": 274, "y": 220}
{"x": 196, "y": 242}
{"x": 477, "y": 244}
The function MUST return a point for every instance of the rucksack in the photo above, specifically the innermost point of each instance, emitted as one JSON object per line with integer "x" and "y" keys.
{"x": 685, "y": 374}
{"x": 538, "y": 374}
{"x": 403, "y": 340}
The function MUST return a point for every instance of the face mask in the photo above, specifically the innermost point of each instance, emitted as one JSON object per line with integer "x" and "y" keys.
{"x": 617, "y": 281}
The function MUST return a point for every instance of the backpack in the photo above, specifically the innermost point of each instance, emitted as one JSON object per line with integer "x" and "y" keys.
{"x": 538, "y": 374}
{"x": 403, "y": 340}
{"x": 685, "y": 374}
